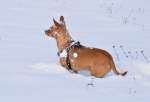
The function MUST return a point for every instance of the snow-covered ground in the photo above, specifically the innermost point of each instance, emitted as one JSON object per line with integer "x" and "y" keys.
{"x": 29, "y": 69}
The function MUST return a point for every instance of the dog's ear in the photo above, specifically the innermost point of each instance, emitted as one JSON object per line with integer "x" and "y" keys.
{"x": 62, "y": 20}
{"x": 56, "y": 23}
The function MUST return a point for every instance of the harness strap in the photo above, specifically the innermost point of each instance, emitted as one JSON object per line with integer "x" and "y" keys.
{"x": 68, "y": 61}
{"x": 66, "y": 53}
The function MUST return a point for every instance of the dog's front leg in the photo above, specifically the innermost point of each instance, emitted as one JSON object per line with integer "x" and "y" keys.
{"x": 64, "y": 64}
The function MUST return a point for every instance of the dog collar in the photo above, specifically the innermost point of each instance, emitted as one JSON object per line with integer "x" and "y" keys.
{"x": 64, "y": 52}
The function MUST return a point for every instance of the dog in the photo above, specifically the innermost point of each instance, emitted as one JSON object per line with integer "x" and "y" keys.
{"x": 76, "y": 57}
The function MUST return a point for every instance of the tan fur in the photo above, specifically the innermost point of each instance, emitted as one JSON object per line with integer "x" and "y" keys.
{"x": 99, "y": 62}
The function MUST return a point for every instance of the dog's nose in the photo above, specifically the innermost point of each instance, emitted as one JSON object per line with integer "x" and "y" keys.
{"x": 46, "y": 31}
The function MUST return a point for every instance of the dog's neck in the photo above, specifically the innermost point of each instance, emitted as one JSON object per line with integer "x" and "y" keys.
{"x": 63, "y": 41}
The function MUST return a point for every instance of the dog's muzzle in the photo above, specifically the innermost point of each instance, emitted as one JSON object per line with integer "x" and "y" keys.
{"x": 46, "y": 31}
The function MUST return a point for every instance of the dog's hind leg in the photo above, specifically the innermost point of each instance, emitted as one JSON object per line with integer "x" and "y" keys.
{"x": 100, "y": 71}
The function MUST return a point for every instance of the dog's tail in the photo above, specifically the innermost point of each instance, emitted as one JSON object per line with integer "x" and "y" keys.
{"x": 113, "y": 67}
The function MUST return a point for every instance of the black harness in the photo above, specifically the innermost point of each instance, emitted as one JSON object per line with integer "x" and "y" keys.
{"x": 76, "y": 45}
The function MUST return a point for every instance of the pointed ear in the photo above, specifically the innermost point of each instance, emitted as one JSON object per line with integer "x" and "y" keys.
{"x": 62, "y": 20}
{"x": 56, "y": 23}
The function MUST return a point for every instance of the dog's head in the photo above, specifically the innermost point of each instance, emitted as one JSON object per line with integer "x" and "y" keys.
{"x": 57, "y": 29}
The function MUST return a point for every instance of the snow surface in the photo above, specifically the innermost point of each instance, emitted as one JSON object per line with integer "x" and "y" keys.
{"x": 29, "y": 69}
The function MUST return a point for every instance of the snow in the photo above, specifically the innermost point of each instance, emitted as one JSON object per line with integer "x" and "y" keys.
{"x": 29, "y": 69}
{"x": 63, "y": 53}
{"x": 48, "y": 67}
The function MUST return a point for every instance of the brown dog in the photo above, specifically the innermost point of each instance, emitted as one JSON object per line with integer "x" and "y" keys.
{"x": 76, "y": 57}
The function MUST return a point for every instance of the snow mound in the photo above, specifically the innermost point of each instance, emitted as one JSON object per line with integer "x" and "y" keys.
{"x": 144, "y": 68}
{"x": 48, "y": 67}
